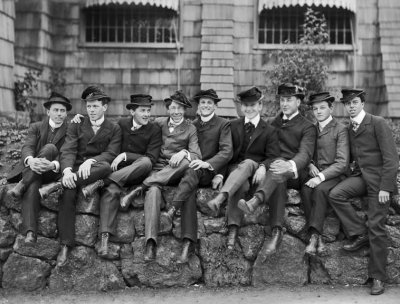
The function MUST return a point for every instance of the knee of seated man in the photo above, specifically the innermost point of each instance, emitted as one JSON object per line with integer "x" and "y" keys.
{"x": 50, "y": 150}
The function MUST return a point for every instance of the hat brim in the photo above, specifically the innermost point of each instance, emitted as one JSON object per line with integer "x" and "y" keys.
{"x": 329, "y": 100}
{"x": 197, "y": 98}
{"x": 186, "y": 105}
{"x": 132, "y": 104}
{"x": 300, "y": 95}
{"x": 239, "y": 100}
{"x": 350, "y": 97}
{"x": 97, "y": 97}
{"x": 48, "y": 103}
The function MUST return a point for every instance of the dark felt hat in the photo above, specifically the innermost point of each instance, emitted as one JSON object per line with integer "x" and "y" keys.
{"x": 140, "y": 100}
{"x": 250, "y": 95}
{"x": 350, "y": 94}
{"x": 58, "y": 98}
{"x": 179, "y": 98}
{"x": 289, "y": 89}
{"x": 92, "y": 93}
{"x": 206, "y": 94}
{"x": 322, "y": 96}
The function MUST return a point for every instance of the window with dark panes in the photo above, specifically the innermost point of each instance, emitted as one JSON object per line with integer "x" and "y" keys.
{"x": 278, "y": 25}
{"x": 130, "y": 23}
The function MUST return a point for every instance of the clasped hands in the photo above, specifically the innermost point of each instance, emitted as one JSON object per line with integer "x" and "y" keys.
{"x": 69, "y": 177}
{"x": 40, "y": 165}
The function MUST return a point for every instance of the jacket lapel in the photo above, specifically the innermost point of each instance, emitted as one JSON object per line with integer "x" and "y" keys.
{"x": 361, "y": 129}
{"x": 325, "y": 130}
{"x": 60, "y": 133}
{"x": 257, "y": 132}
{"x": 102, "y": 132}
{"x": 44, "y": 132}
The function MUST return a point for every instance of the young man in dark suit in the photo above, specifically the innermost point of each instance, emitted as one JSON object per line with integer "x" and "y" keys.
{"x": 326, "y": 170}
{"x": 39, "y": 161}
{"x": 89, "y": 148}
{"x": 141, "y": 144}
{"x": 215, "y": 141}
{"x": 255, "y": 147}
{"x": 374, "y": 170}
{"x": 297, "y": 138}
{"x": 180, "y": 146}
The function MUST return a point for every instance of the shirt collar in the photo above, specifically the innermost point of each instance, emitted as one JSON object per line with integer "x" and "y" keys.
{"x": 324, "y": 123}
{"x": 135, "y": 124}
{"x": 291, "y": 116}
{"x": 98, "y": 122}
{"x": 359, "y": 118}
{"x": 53, "y": 125}
{"x": 176, "y": 123}
{"x": 207, "y": 118}
{"x": 254, "y": 120}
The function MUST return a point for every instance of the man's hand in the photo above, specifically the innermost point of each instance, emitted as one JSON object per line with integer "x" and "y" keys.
{"x": 69, "y": 179}
{"x": 259, "y": 175}
{"x": 177, "y": 158}
{"x": 117, "y": 161}
{"x": 313, "y": 170}
{"x": 35, "y": 164}
{"x": 77, "y": 118}
{"x": 217, "y": 182}
{"x": 84, "y": 169}
{"x": 281, "y": 167}
{"x": 46, "y": 165}
{"x": 199, "y": 164}
{"x": 383, "y": 196}
{"x": 314, "y": 182}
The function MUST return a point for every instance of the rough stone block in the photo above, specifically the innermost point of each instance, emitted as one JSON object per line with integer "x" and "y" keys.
{"x": 7, "y": 233}
{"x": 125, "y": 227}
{"x": 89, "y": 205}
{"x": 251, "y": 239}
{"x": 44, "y": 248}
{"x": 86, "y": 227}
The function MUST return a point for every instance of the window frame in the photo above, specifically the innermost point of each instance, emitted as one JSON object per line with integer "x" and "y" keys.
{"x": 135, "y": 45}
{"x": 275, "y": 46}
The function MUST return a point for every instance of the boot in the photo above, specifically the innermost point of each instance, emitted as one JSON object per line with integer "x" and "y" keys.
{"x": 274, "y": 243}
{"x": 166, "y": 218}
{"x": 359, "y": 242}
{"x": 17, "y": 191}
{"x": 311, "y": 248}
{"x": 62, "y": 256}
{"x": 103, "y": 251}
{"x": 249, "y": 206}
{"x": 46, "y": 190}
{"x": 127, "y": 199}
{"x": 216, "y": 203}
{"x": 232, "y": 234}
{"x": 90, "y": 189}
{"x": 150, "y": 251}
{"x": 184, "y": 258}
{"x": 30, "y": 237}
{"x": 321, "y": 249}
{"x": 377, "y": 288}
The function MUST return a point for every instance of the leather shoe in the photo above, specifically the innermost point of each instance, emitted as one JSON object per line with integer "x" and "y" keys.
{"x": 359, "y": 242}
{"x": 150, "y": 251}
{"x": 90, "y": 189}
{"x": 378, "y": 287}
{"x": 232, "y": 234}
{"x": 216, "y": 203}
{"x": 184, "y": 258}
{"x": 62, "y": 256}
{"x": 127, "y": 199}
{"x": 46, "y": 190}
{"x": 274, "y": 243}
{"x": 321, "y": 248}
{"x": 103, "y": 251}
{"x": 311, "y": 248}
{"x": 17, "y": 191}
{"x": 30, "y": 237}
{"x": 249, "y": 206}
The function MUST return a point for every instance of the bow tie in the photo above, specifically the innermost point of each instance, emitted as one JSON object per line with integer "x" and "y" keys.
{"x": 203, "y": 123}
{"x": 355, "y": 125}
{"x": 249, "y": 127}
{"x": 284, "y": 121}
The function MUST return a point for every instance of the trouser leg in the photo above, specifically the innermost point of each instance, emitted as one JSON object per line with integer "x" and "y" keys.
{"x": 234, "y": 214}
{"x": 109, "y": 205}
{"x": 30, "y": 206}
{"x": 189, "y": 218}
{"x": 66, "y": 217}
{"x": 132, "y": 174}
{"x": 152, "y": 206}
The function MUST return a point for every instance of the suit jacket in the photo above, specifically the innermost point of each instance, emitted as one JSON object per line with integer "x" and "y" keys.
{"x": 263, "y": 146}
{"x": 332, "y": 151}
{"x": 81, "y": 143}
{"x": 215, "y": 141}
{"x": 296, "y": 139}
{"x": 35, "y": 140}
{"x": 374, "y": 150}
{"x": 184, "y": 137}
{"x": 146, "y": 141}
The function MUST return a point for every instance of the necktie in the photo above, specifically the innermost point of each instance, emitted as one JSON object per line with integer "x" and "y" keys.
{"x": 355, "y": 125}
{"x": 203, "y": 123}
{"x": 171, "y": 127}
{"x": 249, "y": 127}
{"x": 135, "y": 128}
{"x": 284, "y": 121}
{"x": 95, "y": 128}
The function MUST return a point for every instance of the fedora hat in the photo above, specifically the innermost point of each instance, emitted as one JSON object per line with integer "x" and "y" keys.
{"x": 250, "y": 95}
{"x": 92, "y": 93}
{"x": 350, "y": 94}
{"x": 58, "y": 98}
{"x": 179, "y": 98}
{"x": 322, "y": 96}
{"x": 289, "y": 89}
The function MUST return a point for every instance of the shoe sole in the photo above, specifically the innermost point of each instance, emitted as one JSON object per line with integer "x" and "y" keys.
{"x": 242, "y": 205}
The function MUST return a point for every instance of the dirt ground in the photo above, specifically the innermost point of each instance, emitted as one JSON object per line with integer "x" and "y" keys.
{"x": 199, "y": 294}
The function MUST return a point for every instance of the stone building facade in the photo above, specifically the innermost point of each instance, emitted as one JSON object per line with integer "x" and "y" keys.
{"x": 203, "y": 44}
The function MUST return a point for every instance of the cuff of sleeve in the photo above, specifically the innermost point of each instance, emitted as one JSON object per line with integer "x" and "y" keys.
{"x": 321, "y": 176}
{"x": 68, "y": 168}
{"x": 220, "y": 175}
{"x": 57, "y": 165}
{"x": 188, "y": 155}
{"x": 210, "y": 167}
{"x": 124, "y": 156}
{"x": 294, "y": 168}
{"x": 26, "y": 160}
{"x": 92, "y": 160}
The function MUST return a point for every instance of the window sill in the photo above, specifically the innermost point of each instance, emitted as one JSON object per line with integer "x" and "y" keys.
{"x": 328, "y": 47}
{"x": 131, "y": 45}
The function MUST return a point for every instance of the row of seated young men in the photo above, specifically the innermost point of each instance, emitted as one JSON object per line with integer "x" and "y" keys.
{"x": 327, "y": 161}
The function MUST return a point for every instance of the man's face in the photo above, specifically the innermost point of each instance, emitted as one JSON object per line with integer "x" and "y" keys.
{"x": 141, "y": 115}
{"x": 176, "y": 111}
{"x": 289, "y": 104}
{"x": 95, "y": 109}
{"x": 251, "y": 109}
{"x": 57, "y": 112}
{"x": 322, "y": 110}
{"x": 354, "y": 106}
{"x": 206, "y": 106}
